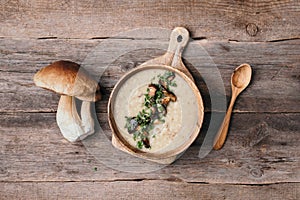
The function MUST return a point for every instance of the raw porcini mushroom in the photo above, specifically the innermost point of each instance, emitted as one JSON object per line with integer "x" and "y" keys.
{"x": 70, "y": 80}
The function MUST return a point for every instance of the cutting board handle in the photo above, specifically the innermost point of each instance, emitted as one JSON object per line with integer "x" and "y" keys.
{"x": 178, "y": 40}
{"x": 173, "y": 57}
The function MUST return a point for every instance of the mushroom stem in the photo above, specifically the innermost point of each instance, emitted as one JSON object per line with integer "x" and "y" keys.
{"x": 87, "y": 120}
{"x": 69, "y": 121}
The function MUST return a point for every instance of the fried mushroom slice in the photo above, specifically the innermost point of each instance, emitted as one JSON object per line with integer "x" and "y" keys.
{"x": 152, "y": 90}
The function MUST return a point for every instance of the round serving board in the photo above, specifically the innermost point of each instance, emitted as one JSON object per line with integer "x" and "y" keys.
{"x": 188, "y": 97}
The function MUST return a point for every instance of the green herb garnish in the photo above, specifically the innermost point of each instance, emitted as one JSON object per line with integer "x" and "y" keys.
{"x": 139, "y": 144}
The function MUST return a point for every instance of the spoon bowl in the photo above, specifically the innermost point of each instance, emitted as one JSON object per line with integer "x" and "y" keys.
{"x": 241, "y": 76}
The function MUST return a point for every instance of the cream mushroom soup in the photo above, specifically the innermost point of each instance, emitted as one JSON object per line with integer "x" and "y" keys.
{"x": 156, "y": 110}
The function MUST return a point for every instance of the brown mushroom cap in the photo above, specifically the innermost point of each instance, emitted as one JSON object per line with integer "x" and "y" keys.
{"x": 68, "y": 78}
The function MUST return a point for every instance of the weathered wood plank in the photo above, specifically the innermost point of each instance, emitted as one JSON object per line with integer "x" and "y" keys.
{"x": 263, "y": 142}
{"x": 146, "y": 190}
{"x": 274, "y": 88}
{"x": 261, "y": 148}
{"x": 220, "y": 19}
{"x": 28, "y": 55}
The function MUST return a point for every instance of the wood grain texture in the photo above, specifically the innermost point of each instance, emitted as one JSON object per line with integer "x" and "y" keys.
{"x": 260, "y": 158}
{"x": 260, "y": 149}
{"x": 146, "y": 190}
{"x": 221, "y": 19}
{"x": 274, "y": 87}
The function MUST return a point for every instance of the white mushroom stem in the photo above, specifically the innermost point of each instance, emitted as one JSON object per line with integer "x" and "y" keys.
{"x": 87, "y": 120}
{"x": 69, "y": 122}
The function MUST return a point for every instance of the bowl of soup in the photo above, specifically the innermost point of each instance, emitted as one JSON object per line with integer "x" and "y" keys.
{"x": 155, "y": 112}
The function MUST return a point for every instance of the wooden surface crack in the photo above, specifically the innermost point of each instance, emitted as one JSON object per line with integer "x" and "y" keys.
{"x": 284, "y": 39}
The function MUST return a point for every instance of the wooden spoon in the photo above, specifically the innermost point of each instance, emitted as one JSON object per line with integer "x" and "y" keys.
{"x": 239, "y": 81}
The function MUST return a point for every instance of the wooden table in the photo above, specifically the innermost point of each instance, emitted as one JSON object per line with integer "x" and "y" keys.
{"x": 261, "y": 157}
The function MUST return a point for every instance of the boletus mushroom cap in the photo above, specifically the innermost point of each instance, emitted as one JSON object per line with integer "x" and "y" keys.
{"x": 68, "y": 78}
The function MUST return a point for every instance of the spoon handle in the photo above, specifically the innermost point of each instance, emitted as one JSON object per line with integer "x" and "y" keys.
{"x": 221, "y": 136}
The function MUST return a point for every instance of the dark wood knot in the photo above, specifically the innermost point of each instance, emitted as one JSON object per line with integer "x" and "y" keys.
{"x": 251, "y": 29}
{"x": 257, "y": 173}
